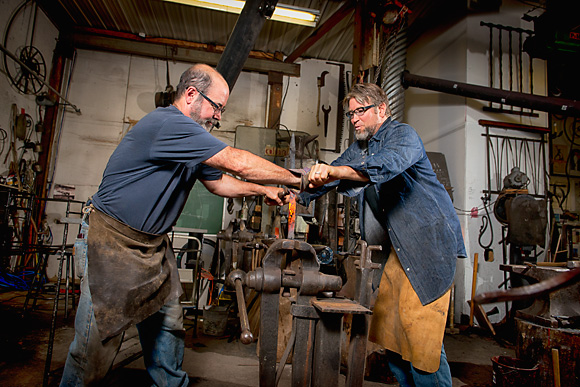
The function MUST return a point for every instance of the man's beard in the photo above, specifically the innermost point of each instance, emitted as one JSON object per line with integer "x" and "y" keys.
{"x": 206, "y": 124}
{"x": 365, "y": 134}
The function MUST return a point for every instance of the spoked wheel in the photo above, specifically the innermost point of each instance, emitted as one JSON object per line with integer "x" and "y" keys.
{"x": 20, "y": 76}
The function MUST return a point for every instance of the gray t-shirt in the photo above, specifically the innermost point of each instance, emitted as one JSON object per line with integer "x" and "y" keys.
{"x": 149, "y": 176}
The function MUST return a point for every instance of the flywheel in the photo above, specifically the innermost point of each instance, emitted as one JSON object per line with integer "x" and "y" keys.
{"x": 25, "y": 81}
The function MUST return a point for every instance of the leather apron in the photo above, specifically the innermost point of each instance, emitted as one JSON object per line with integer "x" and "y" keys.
{"x": 400, "y": 323}
{"x": 131, "y": 274}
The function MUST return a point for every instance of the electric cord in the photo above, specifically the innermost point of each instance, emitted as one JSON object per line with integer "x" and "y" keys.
{"x": 21, "y": 281}
{"x": 465, "y": 212}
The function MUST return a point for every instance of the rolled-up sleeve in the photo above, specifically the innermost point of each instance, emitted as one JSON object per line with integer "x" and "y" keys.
{"x": 392, "y": 157}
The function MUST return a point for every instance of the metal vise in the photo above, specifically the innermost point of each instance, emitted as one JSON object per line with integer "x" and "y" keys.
{"x": 317, "y": 316}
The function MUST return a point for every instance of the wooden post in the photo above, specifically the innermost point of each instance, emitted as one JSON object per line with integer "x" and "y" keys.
{"x": 275, "y": 106}
{"x": 556, "y": 365}
{"x": 473, "y": 286}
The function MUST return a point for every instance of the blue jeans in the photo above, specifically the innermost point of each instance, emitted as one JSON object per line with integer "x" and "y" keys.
{"x": 407, "y": 375}
{"x": 162, "y": 340}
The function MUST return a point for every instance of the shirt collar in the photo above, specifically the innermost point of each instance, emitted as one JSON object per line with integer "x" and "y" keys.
{"x": 382, "y": 128}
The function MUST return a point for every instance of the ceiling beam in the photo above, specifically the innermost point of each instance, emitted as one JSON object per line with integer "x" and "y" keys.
{"x": 321, "y": 30}
{"x": 178, "y": 50}
{"x": 242, "y": 39}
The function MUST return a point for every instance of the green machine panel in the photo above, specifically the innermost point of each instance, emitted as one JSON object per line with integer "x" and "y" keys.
{"x": 203, "y": 210}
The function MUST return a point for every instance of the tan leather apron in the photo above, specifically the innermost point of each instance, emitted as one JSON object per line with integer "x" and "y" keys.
{"x": 400, "y": 323}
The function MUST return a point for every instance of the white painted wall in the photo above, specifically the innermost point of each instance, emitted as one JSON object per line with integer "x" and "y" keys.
{"x": 449, "y": 124}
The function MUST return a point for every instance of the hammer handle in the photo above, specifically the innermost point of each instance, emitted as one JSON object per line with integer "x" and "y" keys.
{"x": 246, "y": 336}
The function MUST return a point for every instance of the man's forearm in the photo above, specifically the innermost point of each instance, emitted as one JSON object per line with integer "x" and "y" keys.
{"x": 321, "y": 174}
{"x": 230, "y": 187}
{"x": 347, "y": 173}
{"x": 251, "y": 167}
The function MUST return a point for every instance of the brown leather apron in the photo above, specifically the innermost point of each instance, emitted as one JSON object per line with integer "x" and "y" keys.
{"x": 400, "y": 323}
{"x": 131, "y": 274}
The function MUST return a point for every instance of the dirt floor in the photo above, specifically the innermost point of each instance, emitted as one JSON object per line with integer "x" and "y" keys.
{"x": 209, "y": 360}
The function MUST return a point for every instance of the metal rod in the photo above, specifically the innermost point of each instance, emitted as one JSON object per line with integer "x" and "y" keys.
{"x": 511, "y": 62}
{"x": 509, "y": 125}
{"x": 499, "y": 57}
{"x": 53, "y": 322}
{"x": 490, "y": 58}
{"x": 38, "y": 77}
{"x": 547, "y": 104}
{"x": 520, "y": 64}
{"x": 489, "y": 145}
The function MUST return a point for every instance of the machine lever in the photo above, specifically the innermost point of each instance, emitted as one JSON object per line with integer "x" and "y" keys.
{"x": 237, "y": 278}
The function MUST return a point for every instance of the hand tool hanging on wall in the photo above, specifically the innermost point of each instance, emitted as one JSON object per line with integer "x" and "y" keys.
{"x": 326, "y": 111}
{"x": 320, "y": 83}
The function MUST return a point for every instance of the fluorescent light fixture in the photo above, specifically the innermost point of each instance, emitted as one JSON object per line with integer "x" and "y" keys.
{"x": 285, "y": 13}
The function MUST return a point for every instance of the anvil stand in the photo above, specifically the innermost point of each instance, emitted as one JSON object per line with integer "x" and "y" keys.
{"x": 317, "y": 316}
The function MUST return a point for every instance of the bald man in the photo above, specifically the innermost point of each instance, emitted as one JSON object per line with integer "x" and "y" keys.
{"x": 131, "y": 274}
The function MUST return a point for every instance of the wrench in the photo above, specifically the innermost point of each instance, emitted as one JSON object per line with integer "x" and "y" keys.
{"x": 326, "y": 111}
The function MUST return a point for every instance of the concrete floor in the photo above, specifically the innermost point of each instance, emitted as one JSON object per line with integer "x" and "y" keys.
{"x": 209, "y": 361}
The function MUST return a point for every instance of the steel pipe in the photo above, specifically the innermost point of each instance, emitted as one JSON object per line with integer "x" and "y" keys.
{"x": 552, "y": 105}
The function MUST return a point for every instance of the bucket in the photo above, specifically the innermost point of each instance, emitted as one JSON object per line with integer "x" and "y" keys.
{"x": 509, "y": 371}
{"x": 215, "y": 320}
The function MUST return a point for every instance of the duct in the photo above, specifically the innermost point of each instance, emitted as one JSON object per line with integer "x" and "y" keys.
{"x": 391, "y": 81}
{"x": 535, "y": 102}
{"x": 243, "y": 37}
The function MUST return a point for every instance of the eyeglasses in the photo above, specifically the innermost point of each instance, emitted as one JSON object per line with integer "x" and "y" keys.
{"x": 216, "y": 107}
{"x": 358, "y": 111}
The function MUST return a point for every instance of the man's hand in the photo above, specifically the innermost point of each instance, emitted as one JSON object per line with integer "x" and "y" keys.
{"x": 275, "y": 196}
{"x": 321, "y": 174}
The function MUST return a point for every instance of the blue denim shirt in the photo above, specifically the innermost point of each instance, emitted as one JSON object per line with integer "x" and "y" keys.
{"x": 416, "y": 209}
